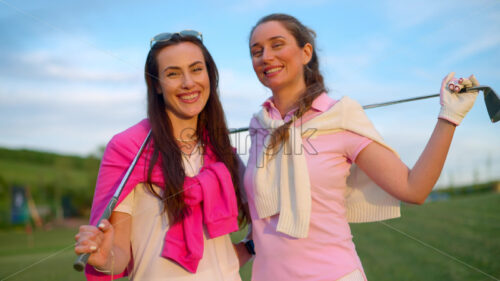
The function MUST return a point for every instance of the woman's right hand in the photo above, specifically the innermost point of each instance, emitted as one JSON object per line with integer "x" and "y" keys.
{"x": 97, "y": 241}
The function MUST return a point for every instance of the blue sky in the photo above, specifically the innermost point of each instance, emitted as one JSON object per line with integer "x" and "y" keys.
{"x": 71, "y": 71}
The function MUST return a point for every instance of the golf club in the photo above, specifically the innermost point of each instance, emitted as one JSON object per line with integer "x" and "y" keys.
{"x": 81, "y": 260}
{"x": 491, "y": 100}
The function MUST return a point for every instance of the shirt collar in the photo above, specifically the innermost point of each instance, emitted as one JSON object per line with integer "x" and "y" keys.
{"x": 321, "y": 104}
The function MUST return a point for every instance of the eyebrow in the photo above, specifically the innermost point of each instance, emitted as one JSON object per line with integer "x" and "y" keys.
{"x": 176, "y": 67}
{"x": 272, "y": 38}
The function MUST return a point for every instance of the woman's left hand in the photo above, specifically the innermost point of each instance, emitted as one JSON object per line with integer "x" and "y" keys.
{"x": 454, "y": 106}
{"x": 241, "y": 251}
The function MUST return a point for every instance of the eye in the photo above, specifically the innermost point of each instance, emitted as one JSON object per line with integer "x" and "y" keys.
{"x": 256, "y": 52}
{"x": 172, "y": 74}
{"x": 197, "y": 69}
{"x": 277, "y": 45}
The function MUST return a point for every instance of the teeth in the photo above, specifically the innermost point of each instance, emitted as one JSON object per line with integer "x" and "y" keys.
{"x": 189, "y": 97}
{"x": 272, "y": 70}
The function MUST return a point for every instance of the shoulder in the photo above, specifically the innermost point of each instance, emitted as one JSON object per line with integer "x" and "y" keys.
{"x": 349, "y": 103}
{"x": 128, "y": 141}
{"x": 323, "y": 102}
{"x": 254, "y": 122}
{"x": 133, "y": 136}
{"x": 348, "y": 110}
{"x": 339, "y": 112}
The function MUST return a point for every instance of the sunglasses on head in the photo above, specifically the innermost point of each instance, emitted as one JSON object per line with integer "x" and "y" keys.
{"x": 164, "y": 37}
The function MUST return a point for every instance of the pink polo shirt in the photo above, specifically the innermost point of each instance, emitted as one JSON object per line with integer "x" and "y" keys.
{"x": 328, "y": 252}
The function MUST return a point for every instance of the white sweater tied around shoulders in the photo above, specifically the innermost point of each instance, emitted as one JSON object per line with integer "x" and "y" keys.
{"x": 282, "y": 183}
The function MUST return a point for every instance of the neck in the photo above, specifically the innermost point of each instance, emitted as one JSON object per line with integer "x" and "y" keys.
{"x": 286, "y": 98}
{"x": 184, "y": 129}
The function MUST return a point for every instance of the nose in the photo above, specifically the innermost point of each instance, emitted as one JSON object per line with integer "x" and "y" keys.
{"x": 267, "y": 54}
{"x": 188, "y": 82}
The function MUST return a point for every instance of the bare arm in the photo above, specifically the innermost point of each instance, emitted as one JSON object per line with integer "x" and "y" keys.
{"x": 409, "y": 185}
{"x": 121, "y": 247}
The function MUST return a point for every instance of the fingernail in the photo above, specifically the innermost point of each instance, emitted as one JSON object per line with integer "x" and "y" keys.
{"x": 93, "y": 248}
{"x": 101, "y": 225}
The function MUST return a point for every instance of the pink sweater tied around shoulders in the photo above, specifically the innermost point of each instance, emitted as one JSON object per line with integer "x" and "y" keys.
{"x": 209, "y": 196}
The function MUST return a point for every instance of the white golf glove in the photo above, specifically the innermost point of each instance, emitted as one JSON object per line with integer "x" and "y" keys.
{"x": 454, "y": 105}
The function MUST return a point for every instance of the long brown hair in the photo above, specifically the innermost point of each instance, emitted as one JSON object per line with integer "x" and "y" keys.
{"x": 211, "y": 131}
{"x": 312, "y": 76}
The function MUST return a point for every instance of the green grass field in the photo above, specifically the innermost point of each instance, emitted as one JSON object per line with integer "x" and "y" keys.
{"x": 457, "y": 239}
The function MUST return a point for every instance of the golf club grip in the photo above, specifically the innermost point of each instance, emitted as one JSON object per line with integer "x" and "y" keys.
{"x": 82, "y": 259}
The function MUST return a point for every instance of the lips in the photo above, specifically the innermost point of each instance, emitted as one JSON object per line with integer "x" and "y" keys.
{"x": 190, "y": 97}
{"x": 272, "y": 70}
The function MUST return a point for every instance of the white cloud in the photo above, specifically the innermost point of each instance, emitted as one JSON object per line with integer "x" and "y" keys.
{"x": 51, "y": 64}
{"x": 69, "y": 94}
{"x": 472, "y": 48}
{"x": 241, "y": 84}
{"x": 241, "y": 95}
{"x": 407, "y": 14}
{"x": 70, "y": 116}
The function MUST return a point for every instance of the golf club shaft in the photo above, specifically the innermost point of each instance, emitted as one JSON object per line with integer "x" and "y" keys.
{"x": 82, "y": 259}
{"x": 375, "y": 105}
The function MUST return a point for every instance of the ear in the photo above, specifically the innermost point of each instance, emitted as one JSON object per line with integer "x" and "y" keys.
{"x": 307, "y": 52}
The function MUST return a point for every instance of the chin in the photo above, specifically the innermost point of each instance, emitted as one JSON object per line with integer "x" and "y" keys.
{"x": 192, "y": 113}
{"x": 273, "y": 86}
{"x": 272, "y": 83}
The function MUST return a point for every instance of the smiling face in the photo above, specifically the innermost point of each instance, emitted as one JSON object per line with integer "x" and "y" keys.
{"x": 277, "y": 59}
{"x": 184, "y": 81}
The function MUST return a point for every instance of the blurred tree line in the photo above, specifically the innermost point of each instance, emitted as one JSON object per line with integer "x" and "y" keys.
{"x": 60, "y": 185}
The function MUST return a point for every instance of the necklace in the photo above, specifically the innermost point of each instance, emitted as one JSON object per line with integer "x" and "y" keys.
{"x": 187, "y": 159}
{"x": 190, "y": 138}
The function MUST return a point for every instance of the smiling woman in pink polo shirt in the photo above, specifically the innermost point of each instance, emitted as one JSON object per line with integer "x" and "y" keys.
{"x": 317, "y": 164}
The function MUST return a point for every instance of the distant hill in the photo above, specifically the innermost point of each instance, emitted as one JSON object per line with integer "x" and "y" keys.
{"x": 58, "y": 181}
{"x": 43, "y": 158}
{"x": 36, "y": 168}
{"x": 52, "y": 179}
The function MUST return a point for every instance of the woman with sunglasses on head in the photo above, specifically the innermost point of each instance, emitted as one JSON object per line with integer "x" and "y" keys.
{"x": 301, "y": 186}
{"x": 177, "y": 208}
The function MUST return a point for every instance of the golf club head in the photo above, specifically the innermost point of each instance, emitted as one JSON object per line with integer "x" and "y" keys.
{"x": 492, "y": 104}
{"x": 491, "y": 100}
